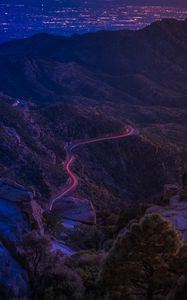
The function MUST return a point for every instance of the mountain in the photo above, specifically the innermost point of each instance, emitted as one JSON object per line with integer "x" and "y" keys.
{"x": 55, "y": 89}
{"x": 48, "y": 67}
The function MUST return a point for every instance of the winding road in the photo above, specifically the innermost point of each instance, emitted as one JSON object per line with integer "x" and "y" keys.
{"x": 69, "y": 147}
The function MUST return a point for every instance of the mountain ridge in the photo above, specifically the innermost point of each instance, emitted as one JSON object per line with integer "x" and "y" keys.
{"x": 107, "y": 56}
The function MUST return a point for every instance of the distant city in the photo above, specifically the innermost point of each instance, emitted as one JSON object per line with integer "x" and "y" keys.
{"x": 19, "y": 19}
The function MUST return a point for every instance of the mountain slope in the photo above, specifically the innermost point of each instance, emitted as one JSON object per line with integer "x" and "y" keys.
{"x": 91, "y": 85}
{"x": 47, "y": 65}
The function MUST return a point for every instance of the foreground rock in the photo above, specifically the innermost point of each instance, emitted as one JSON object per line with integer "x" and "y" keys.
{"x": 19, "y": 213}
{"x": 71, "y": 208}
{"x": 17, "y": 196}
{"x": 14, "y": 279}
{"x": 175, "y": 211}
{"x": 183, "y": 192}
{"x": 11, "y": 191}
{"x": 169, "y": 191}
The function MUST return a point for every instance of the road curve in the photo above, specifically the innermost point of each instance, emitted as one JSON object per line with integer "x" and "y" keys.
{"x": 73, "y": 180}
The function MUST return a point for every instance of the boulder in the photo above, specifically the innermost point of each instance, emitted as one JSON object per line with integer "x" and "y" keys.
{"x": 175, "y": 212}
{"x": 183, "y": 192}
{"x": 14, "y": 281}
{"x": 169, "y": 191}
{"x": 19, "y": 213}
{"x": 34, "y": 212}
{"x": 75, "y": 209}
{"x": 23, "y": 199}
{"x": 13, "y": 222}
{"x": 11, "y": 191}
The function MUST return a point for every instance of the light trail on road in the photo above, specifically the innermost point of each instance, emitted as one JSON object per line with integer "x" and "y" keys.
{"x": 71, "y": 159}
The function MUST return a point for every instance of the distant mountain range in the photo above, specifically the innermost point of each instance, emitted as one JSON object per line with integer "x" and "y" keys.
{"x": 146, "y": 67}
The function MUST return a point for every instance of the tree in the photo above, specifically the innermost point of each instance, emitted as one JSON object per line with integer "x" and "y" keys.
{"x": 139, "y": 265}
{"x": 53, "y": 223}
{"x": 61, "y": 283}
{"x": 87, "y": 237}
{"x": 87, "y": 264}
{"x": 50, "y": 278}
{"x": 37, "y": 249}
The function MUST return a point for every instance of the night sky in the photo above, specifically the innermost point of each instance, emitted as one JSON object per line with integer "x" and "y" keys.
{"x": 22, "y": 18}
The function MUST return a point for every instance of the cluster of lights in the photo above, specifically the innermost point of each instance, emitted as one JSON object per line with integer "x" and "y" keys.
{"x": 20, "y": 20}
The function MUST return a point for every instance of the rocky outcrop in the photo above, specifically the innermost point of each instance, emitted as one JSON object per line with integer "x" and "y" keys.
{"x": 175, "y": 211}
{"x": 71, "y": 208}
{"x": 183, "y": 192}
{"x": 169, "y": 191}
{"x": 14, "y": 192}
{"x": 34, "y": 212}
{"x": 184, "y": 180}
{"x": 22, "y": 199}
{"x": 13, "y": 278}
{"x": 19, "y": 213}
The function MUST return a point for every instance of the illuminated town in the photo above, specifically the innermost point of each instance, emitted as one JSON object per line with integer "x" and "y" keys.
{"x": 68, "y": 19}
